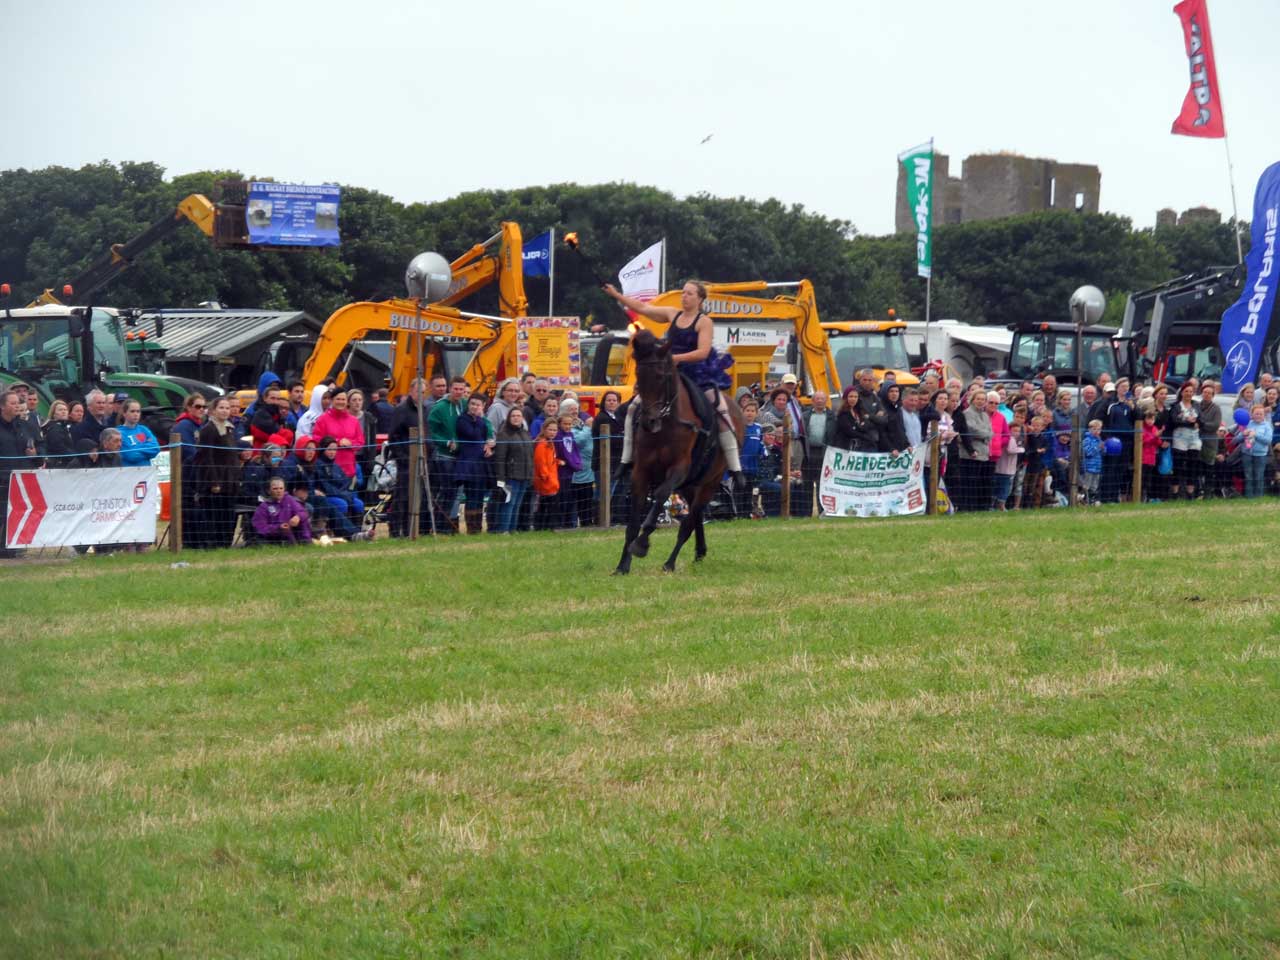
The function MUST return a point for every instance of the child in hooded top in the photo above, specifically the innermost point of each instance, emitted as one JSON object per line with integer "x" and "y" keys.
{"x": 546, "y": 475}
{"x": 280, "y": 518}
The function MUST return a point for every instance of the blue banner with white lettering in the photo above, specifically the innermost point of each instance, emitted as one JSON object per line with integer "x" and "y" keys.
{"x": 537, "y": 256}
{"x": 293, "y": 214}
{"x": 1245, "y": 324}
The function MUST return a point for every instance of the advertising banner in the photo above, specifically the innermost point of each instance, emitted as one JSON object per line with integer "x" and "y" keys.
{"x": 873, "y": 484}
{"x": 68, "y": 508}
{"x": 293, "y": 214}
{"x": 918, "y": 163}
{"x": 643, "y": 275}
{"x": 1201, "y": 114}
{"x": 550, "y": 347}
{"x": 1246, "y": 322}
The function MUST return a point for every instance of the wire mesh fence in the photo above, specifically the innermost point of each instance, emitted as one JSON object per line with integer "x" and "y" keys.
{"x": 221, "y": 488}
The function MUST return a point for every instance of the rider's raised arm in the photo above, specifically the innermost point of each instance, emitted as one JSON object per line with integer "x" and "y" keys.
{"x": 660, "y": 314}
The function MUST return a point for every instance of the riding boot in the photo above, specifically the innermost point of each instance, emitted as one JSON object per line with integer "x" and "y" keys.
{"x": 628, "y": 442}
{"x": 474, "y": 520}
{"x": 729, "y": 445}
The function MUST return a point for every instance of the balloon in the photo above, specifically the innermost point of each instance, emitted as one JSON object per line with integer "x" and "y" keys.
{"x": 1113, "y": 445}
{"x": 1242, "y": 417}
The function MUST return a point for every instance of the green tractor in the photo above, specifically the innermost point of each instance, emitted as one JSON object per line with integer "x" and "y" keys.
{"x": 64, "y": 352}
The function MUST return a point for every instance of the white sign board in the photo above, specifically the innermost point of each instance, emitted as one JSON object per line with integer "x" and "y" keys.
{"x": 66, "y": 508}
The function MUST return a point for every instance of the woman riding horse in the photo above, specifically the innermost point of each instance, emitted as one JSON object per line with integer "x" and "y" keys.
{"x": 690, "y": 335}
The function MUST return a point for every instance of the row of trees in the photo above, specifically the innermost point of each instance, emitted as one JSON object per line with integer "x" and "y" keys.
{"x": 54, "y": 221}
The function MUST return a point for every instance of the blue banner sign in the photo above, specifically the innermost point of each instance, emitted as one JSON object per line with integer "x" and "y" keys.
{"x": 1245, "y": 324}
{"x": 293, "y": 214}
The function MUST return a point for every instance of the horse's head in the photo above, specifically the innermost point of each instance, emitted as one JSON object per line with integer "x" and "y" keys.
{"x": 655, "y": 378}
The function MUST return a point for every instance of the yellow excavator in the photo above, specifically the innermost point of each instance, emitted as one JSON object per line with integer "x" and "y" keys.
{"x": 762, "y": 332}
{"x": 443, "y": 331}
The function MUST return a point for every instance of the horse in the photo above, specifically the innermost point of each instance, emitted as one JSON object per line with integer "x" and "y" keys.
{"x": 666, "y": 439}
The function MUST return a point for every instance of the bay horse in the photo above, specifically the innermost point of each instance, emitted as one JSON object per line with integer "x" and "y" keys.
{"x": 667, "y": 433}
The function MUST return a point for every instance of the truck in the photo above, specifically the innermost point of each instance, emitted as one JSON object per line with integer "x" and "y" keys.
{"x": 1040, "y": 348}
{"x": 878, "y": 344}
{"x": 957, "y": 349}
{"x": 63, "y": 352}
{"x": 1170, "y": 331}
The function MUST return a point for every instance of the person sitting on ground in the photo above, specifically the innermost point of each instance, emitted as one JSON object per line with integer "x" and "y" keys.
{"x": 336, "y": 486}
{"x": 139, "y": 444}
{"x": 280, "y": 518}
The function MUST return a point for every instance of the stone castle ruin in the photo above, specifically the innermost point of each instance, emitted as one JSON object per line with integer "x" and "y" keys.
{"x": 995, "y": 185}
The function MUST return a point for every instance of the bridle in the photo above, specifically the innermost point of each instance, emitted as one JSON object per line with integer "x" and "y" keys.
{"x": 652, "y": 415}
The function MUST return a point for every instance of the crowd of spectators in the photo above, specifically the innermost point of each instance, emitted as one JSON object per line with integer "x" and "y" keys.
{"x": 289, "y": 467}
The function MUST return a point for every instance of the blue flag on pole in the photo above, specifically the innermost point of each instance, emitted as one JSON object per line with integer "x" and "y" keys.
{"x": 1244, "y": 326}
{"x": 537, "y": 256}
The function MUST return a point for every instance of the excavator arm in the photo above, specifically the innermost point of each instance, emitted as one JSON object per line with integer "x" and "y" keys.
{"x": 473, "y": 270}
{"x": 196, "y": 208}
{"x": 729, "y": 302}
{"x": 403, "y": 318}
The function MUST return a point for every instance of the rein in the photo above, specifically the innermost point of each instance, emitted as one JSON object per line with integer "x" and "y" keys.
{"x": 652, "y": 415}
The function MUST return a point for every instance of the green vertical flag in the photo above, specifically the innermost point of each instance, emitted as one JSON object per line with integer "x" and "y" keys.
{"x": 918, "y": 162}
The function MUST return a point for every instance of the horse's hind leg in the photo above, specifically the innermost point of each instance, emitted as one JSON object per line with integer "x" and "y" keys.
{"x": 687, "y": 525}
{"x": 700, "y": 538}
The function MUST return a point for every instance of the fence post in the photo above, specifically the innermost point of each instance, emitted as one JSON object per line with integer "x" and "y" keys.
{"x": 1073, "y": 481}
{"x": 175, "y": 492}
{"x": 1137, "y": 461}
{"x": 786, "y": 464}
{"x": 935, "y": 444}
{"x": 605, "y": 479}
{"x": 415, "y": 482}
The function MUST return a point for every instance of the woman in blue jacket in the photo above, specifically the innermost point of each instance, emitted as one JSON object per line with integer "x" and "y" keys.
{"x": 138, "y": 445}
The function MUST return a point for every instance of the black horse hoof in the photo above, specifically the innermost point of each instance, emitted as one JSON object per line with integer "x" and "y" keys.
{"x": 668, "y": 568}
{"x": 699, "y": 557}
{"x": 619, "y": 572}
{"x": 638, "y": 548}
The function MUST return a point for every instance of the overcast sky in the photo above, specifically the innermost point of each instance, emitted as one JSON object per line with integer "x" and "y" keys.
{"x": 807, "y": 102}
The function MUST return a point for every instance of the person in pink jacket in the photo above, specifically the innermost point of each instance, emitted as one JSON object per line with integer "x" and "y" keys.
{"x": 999, "y": 428}
{"x": 338, "y": 423}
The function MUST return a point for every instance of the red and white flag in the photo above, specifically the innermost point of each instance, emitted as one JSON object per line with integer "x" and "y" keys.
{"x": 642, "y": 277}
{"x": 1201, "y": 114}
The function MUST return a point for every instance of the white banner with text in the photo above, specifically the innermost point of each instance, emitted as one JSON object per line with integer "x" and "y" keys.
{"x": 67, "y": 508}
{"x": 873, "y": 484}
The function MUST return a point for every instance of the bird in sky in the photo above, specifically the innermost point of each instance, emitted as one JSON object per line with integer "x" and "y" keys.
{"x": 706, "y": 138}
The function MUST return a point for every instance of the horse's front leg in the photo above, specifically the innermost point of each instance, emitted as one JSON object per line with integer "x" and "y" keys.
{"x": 640, "y": 545}
{"x": 639, "y": 490}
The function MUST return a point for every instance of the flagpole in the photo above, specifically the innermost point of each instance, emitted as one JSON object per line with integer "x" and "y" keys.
{"x": 663, "y": 287}
{"x": 551, "y": 280}
{"x": 928, "y": 281}
{"x": 1235, "y": 213}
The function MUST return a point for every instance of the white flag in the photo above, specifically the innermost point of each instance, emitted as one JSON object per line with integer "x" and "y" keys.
{"x": 640, "y": 278}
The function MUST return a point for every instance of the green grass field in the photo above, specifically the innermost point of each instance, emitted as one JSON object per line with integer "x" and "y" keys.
{"x": 1036, "y": 735}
